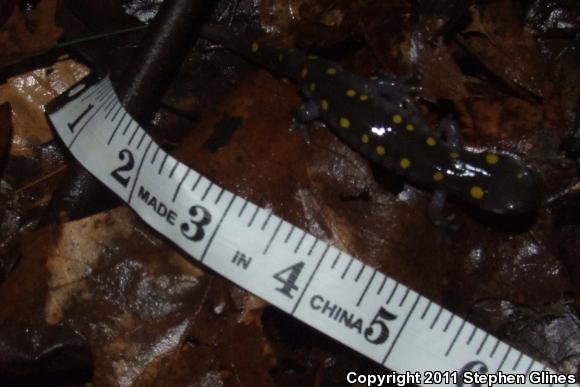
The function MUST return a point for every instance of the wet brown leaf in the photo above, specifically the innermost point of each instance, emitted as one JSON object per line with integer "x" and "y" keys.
{"x": 28, "y": 93}
{"x": 387, "y": 28}
{"x": 31, "y": 352}
{"x": 28, "y": 33}
{"x": 34, "y": 166}
{"x": 441, "y": 77}
{"x": 5, "y": 132}
{"x": 6, "y": 9}
{"x": 498, "y": 39}
{"x": 142, "y": 307}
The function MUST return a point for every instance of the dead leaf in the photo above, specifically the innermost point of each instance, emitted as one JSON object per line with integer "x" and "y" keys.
{"x": 142, "y": 307}
{"x": 498, "y": 39}
{"x": 6, "y": 9}
{"x": 5, "y": 132}
{"x": 441, "y": 77}
{"x": 28, "y": 33}
{"x": 28, "y": 93}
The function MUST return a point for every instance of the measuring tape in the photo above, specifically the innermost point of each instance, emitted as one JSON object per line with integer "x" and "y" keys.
{"x": 281, "y": 263}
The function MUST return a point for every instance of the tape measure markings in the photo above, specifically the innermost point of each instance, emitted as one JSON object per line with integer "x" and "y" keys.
{"x": 218, "y": 225}
{"x": 270, "y": 257}
{"x": 455, "y": 339}
{"x": 119, "y": 107}
{"x": 135, "y": 180}
{"x": 89, "y": 94}
{"x": 517, "y": 361}
{"x": 504, "y": 358}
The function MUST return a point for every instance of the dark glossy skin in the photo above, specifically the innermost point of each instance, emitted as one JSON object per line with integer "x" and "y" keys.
{"x": 375, "y": 117}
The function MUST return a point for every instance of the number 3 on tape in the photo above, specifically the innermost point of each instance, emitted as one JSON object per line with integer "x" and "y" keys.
{"x": 305, "y": 277}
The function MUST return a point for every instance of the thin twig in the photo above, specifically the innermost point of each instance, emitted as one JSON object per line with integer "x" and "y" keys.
{"x": 40, "y": 180}
{"x": 99, "y": 36}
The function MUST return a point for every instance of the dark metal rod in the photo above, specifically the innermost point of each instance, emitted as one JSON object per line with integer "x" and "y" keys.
{"x": 162, "y": 51}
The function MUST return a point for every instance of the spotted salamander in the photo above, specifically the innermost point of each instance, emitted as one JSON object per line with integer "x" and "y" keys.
{"x": 374, "y": 116}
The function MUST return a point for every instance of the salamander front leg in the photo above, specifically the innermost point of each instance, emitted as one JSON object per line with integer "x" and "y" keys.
{"x": 450, "y": 129}
{"x": 305, "y": 114}
{"x": 393, "y": 89}
{"x": 444, "y": 223}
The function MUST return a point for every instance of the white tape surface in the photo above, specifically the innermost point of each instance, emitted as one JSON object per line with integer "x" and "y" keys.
{"x": 305, "y": 277}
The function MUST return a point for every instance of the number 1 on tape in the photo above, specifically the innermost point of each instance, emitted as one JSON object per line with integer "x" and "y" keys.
{"x": 279, "y": 262}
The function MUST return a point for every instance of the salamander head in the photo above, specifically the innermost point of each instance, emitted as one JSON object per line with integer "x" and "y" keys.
{"x": 509, "y": 188}
{"x": 514, "y": 195}
{"x": 494, "y": 182}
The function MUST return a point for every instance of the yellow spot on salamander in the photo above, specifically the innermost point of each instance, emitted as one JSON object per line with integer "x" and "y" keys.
{"x": 324, "y": 104}
{"x": 331, "y": 71}
{"x": 312, "y": 57}
{"x": 374, "y": 78}
{"x": 380, "y": 150}
{"x": 410, "y": 127}
{"x": 519, "y": 175}
{"x": 405, "y": 163}
{"x": 344, "y": 122}
{"x": 280, "y": 57}
{"x": 454, "y": 155}
{"x": 431, "y": 141}
{"x": 397, "y": 118}
{"x": 304, "y": 72}
{"x": 476, "y": 192}
{"x": 255, "y": 47}
{"x": 491, "y": 158}
{"x": 350, "y": 92}
{"x": 438, "y": 176}
{"x": 363, "y": 97}
{"x": 365, "y": 138}
{"x": 312, "y": 86}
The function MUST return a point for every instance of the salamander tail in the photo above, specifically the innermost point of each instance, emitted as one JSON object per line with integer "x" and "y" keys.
{"x": 280, "y": 62}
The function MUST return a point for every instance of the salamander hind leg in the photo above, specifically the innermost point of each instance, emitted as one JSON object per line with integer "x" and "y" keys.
{"x": 305, "y": 114}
